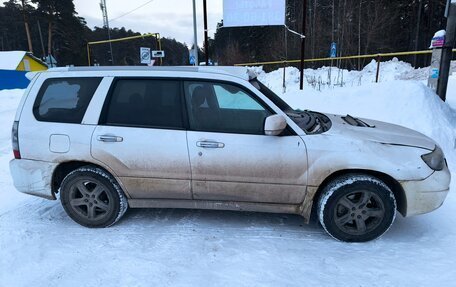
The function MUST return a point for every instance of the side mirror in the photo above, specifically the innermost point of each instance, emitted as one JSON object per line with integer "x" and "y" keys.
{"x": 274, "y": 125}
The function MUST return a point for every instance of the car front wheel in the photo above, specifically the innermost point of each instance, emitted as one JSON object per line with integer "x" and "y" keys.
{"x": 356, "y": 208}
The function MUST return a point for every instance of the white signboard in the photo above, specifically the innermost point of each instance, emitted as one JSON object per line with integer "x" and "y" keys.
{"x": 158, "y": 54}
{"x": 238, "y": 13}
{"x": 144, "y": 54}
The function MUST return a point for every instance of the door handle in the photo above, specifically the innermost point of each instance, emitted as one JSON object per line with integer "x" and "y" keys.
{"x": 209, "y": 144}
{"x": 109, "y": 138}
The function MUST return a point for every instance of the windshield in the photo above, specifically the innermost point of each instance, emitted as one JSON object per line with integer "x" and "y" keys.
{"x": 271, "y": 95}
{"x": 310, "y": 122}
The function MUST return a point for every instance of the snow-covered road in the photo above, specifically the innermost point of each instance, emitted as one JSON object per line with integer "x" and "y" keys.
{"x": 41, "y": 246}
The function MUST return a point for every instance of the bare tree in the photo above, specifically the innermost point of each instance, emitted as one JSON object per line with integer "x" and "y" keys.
{"x": 26, "y": 24}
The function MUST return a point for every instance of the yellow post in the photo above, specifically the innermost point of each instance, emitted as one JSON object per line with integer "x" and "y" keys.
{"x": 159, "y": 47}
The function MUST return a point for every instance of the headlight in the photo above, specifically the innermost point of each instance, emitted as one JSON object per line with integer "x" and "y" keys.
{"x": 435, "y": 159}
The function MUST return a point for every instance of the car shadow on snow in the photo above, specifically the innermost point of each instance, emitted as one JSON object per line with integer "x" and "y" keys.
{"x": 218, "y": 219}
{"x": 39, "y": 212}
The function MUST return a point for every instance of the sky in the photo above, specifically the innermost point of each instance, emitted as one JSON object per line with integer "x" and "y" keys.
{"x": 170, "y": 18}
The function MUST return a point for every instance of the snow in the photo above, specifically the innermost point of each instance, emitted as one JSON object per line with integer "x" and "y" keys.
{"x": 332, "y": 78}
{"x": 9, "y": 60}
{"x": 41, "y": 246}
{"x": 440, "y": 33}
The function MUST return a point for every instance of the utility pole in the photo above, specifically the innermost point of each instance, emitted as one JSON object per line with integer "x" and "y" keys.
{"x": 447, "y": 52}
{"x": 206, "y": 40}
{"x": 195, "y": 33}
{"x": 104, "y": 10}
{"x": 303, "y": 43}
{"x": 359, "y": 35}
{"x": 417, "y": 32}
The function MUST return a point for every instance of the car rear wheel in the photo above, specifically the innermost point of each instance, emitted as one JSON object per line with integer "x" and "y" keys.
{"x": 356, "y": 208}
{"x": 92, "y": 197}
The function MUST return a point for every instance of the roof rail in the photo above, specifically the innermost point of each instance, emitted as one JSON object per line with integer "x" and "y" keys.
{"x": 239, "y": 72}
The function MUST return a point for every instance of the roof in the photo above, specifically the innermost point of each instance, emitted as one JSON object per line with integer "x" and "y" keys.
{"x": 38, "y": 59}
{"x": 9, "y": 60}
{"x": 239, "y": 72}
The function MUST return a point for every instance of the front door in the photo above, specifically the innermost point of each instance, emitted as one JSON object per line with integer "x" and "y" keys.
{"x": 231, "y": 158}
{"x": 142, "y": 138}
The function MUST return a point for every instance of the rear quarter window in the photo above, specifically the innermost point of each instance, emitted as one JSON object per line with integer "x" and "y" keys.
{"x": 64, "y": 100}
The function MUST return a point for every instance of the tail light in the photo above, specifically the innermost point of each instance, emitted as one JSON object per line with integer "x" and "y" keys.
{"x": 15, "y": 140}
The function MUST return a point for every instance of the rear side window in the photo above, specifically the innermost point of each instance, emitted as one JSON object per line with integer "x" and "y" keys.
{"x": 149, "y": 103}
{"x": 64, "y": 100}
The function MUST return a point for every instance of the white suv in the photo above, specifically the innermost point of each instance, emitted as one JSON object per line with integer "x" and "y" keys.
{"x": 214, "y": 138}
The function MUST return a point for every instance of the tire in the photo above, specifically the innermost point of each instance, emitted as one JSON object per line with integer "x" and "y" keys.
{"x": 356, "y": 208}
{"x": 92, "y": 197}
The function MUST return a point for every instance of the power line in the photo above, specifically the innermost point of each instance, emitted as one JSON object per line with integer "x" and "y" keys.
{"x": 131, "y": 11}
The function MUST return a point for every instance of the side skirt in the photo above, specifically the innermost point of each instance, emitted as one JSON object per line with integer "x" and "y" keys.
{"x": 217, "y": 205}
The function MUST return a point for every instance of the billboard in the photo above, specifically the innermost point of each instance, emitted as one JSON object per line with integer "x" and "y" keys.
{"x": 239, "y": 13}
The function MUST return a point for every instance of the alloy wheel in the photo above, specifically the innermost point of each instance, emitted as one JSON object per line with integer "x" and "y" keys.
{"x": 89, "y": 199}
{"x": 359, "y": 212}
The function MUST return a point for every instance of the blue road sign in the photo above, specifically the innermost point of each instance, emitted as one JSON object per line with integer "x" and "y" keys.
{"x": 333, "y": 52}
{"x": 192, "y": 60}
{"x": 435, "y": 73}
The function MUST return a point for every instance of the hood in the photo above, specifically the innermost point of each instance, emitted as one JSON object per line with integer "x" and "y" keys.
{"x": 380, "y": 132}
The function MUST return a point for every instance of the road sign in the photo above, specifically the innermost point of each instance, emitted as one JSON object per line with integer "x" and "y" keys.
{"x": 144, "y": 54}
{"x": 434, "y": 74}
{"x": 158, "y": 54}
{"x": 192, "y": 60}
{"x": 333, "y": 52}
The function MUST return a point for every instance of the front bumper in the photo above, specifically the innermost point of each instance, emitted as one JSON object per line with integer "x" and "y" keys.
{"x": 426, "y": 195}
{"x": 33, "y": 177}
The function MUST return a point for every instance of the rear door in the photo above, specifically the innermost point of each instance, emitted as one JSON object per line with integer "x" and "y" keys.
{"x": 142, "y": 138}
{"x": 231, "y": 158}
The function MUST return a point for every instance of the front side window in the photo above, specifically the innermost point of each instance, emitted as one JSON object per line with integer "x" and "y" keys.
{"x": 219, "y": 107}
{"x": 150, "y": 103}
{"x": 64, "y": 100}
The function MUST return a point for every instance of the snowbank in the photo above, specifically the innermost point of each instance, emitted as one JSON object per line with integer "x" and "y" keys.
{"x": 333, "y": 78}
{"x": 9, "y": 100}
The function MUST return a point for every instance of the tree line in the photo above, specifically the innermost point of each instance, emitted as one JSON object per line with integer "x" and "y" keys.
{"x": 357, "y": 26}
{"x": 53, "y": 27}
